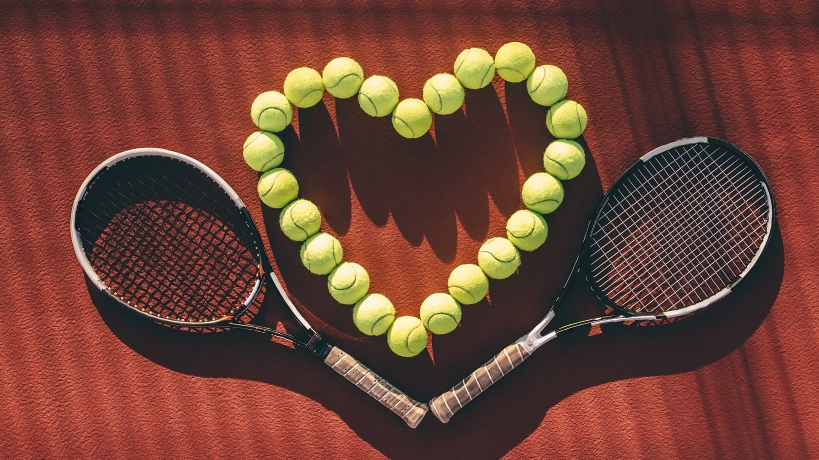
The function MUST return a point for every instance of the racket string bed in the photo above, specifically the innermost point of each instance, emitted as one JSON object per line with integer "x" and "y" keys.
{"x": 656, "y": 235}
{"x": 651, "y": 219}
{"x": 634, "y": 227}
{"x": 167, "y": 272}
{"x": 706, "y": 228}
{"x": 664, "y": 243}
{"x": 681, "y": 256}
{"x": 178, "y": 258}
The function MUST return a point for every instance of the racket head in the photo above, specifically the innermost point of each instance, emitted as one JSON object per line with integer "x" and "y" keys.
{"x": 166, "y": 237}
{"x": 681, "y": 228}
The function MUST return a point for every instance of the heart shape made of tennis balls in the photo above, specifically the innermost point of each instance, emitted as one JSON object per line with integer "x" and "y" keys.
{"x": 443, "y": 94}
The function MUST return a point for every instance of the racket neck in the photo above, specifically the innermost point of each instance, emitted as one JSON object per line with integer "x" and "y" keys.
{"x": 585, "y": 325}
{"x": 589, "y": 323}
{"x": 316, "y": 344}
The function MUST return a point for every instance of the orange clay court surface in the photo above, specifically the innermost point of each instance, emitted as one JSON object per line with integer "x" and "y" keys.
{"x": 80, "y": 81}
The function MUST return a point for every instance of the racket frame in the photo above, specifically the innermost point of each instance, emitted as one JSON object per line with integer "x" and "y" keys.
{"x": 514, "y": 354}
{"x": 264, "y": 263}
{"x": 536, "y": 338}
{"x": 411, "y": 411}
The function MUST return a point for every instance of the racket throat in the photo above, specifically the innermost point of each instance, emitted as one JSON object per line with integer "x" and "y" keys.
{"x": 535, "y": 340}
{"x": 587, "y": 324}
{"x": 318, "y": 346}
{"x": 590, "y": 323}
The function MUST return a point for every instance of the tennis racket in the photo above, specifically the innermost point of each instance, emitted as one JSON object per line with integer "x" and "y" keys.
{"x": 165, "y": 236}
{"x": 675, "y": 234}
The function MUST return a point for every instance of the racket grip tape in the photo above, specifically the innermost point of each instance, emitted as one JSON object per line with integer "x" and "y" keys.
{"x": 410, "y": 410}
{"x": 447, "y": 404}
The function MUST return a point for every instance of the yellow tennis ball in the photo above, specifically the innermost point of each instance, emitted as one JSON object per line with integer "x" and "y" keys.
{"x": 278, "y": 187}
{"x": 411, "y": 118}
{"x": 514, "y": 62}
{"x": 263, "y": 150}
{"x": 527, "y": 230}
{"x": 542, "y": 193}
{"x": 321, "y": 253}
{"x": 547, "y": 85}
{"x": 300, "y": 220}
{"x": 374, "y": 314}
{"x": 467, "y": 284}
{"x": 498, "y": 258}
{"x": 303, "y": 87}
{"x": 440, "y": 313}
{"x": 564, "y": 159}
{"x": 342, "y": 77}
{"x": 443, "y": 94}
{"x": 566, "y": 120}
{"x": 407, "y": 337}
{"x": 474, "y": 68}
{"x": 348, "y": 283}
{"x": 378, "y": 96}
{"x": 271, "y": 111}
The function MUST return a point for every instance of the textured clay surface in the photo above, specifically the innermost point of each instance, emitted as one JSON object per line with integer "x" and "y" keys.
{"x": 80, "y": 81}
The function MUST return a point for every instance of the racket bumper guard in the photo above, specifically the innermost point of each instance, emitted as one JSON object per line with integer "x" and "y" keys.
{"x": 672, "y": 145}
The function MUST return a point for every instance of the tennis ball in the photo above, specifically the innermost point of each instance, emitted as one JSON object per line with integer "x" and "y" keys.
{"x": 467, "y": 284}
{"x": 498, "y": 258}
{"x": 300, "y": 220}
{"x": 374, "y": 314}
{"x": 542, "y": 193}
{"x": 443, "y": 94}
{"x": 378, "y": 96}
{"x": 564, "y": 159}
{"x": 271, "y": 111}
{"x": 566, "y": 120}
{"x": 527, "y": 230}
{"x": 321, "y": 253}
{"x": 278, "y": 187}
{"x": 440, "y": 313}
{"x": 342, "y": 77}
{"x": 474, "y": 68}
{"x": 411, "y": 118}
{"x": 514, "y": 62}
{"x": 407, "y": 336}
{"x": 348, "y": 283}
{"x": 303, "y": 87}
{"x": 263, "y": 151}
{"x": 547, "y": 85}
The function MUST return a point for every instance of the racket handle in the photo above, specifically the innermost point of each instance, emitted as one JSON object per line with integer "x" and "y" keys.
{"x": 410, "y": 410}
{"x": 447, "y": 404}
